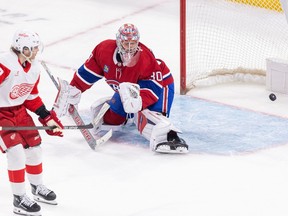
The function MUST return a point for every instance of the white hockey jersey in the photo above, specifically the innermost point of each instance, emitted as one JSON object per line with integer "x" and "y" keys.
{"x": 18, "y": 84}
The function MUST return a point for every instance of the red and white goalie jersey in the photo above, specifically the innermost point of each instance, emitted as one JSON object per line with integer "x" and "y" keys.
{"x": 105, "y": 62}
{"x": 18, "y": 85}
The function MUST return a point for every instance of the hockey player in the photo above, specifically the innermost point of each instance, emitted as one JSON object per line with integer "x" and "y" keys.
{"x": 143, "y": 86}
{"x": 19, "y": 78}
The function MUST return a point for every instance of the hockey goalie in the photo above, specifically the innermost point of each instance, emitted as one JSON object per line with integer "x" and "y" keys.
{"x": 143, "y": 86}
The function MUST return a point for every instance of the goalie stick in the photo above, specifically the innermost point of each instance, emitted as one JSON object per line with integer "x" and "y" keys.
{"x": 69, "y": 127}
{"x": 92, "y": 142}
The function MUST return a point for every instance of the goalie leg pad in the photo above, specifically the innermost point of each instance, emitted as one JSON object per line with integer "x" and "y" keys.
{"x": 96, "y": 108}
{"x": 100, "y": 114}
{"x": 160, "y": 131}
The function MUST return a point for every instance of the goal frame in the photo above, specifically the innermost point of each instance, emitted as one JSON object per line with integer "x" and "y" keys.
{"x": 183, "y": 89}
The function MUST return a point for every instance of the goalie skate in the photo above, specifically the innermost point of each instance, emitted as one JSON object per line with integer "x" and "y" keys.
{"x": 174, "y": 144}
{"x": 174, "y": 147}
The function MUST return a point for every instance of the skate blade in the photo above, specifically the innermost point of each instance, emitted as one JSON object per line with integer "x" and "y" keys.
{"x": 166, "y": 149}
{"x": 39, "y": 199}
{"x": 19, "y": 211}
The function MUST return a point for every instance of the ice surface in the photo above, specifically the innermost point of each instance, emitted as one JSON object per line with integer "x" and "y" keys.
{"x": 238, "y": 162}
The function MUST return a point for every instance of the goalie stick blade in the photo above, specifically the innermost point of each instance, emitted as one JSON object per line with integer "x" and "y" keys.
{"x": 104, "y": 138}
{"x": 92, "y": 142}
{"x": 86, "y": 133}
{"x": 67, "y": 127}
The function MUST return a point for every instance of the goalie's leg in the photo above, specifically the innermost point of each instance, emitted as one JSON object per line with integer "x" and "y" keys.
{"x": 98, "y": 117}
{"x": 161, "y": 133}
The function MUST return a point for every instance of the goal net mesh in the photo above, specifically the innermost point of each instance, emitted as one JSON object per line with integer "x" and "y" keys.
{"x": 230, "y": 40}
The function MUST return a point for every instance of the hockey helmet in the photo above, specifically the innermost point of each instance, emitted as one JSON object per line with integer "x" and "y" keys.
{"x": 127, "y": 39}
{"x": 26, "y": 39}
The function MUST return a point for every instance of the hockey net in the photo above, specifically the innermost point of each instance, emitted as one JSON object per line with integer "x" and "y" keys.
{"x": 230, "y": 40}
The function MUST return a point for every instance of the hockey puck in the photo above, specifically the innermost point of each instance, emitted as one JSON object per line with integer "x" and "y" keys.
{"x": 272, "y": 97}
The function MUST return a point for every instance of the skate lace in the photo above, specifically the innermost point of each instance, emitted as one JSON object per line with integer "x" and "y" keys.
{"x": 43, "y": 190}
{"x": 26, "y": 201}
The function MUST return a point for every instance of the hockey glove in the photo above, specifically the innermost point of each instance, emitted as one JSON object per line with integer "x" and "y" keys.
{"x": 52, "y": 120}
{"x": 67, "y": 95}
{"x": 130, "y": 97}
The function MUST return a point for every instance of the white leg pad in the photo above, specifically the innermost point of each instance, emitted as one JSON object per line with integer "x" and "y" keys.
{"x": 95, "y": 109}
{"x": 153, "y": 126}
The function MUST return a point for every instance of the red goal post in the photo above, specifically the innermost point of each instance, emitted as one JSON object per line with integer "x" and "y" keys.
{"x": 182, "y": 47}
{"x": 229, "y": 40}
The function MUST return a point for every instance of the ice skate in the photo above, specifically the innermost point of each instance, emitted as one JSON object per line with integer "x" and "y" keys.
{"x": 174, "y": 144}
{"x": 23, "y": 205}
{"x": 43, "y": 194}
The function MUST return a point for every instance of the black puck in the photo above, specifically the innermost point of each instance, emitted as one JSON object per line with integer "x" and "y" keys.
{"x": 272, "y": 97}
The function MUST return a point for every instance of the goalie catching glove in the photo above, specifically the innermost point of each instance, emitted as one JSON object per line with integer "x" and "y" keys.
{"x": 130, "y": 97}
{"x": 52, "y": 120}
{"x": 67, "y": 95}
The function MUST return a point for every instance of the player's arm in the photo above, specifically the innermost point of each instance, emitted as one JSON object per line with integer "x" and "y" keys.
{"x": 149, "y": 91}
{"x": 89, "y": 73}
{"x": 33, "y": 102}
{"x": 70, "y": 94}
{"x": 151, "y": 84}
{"x": 48, "y": 118}
{"x": 167, "y": 75}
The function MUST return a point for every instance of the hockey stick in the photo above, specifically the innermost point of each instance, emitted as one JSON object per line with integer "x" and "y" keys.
{"x": 69, "y": 127}
{"x": 92, "y": 142}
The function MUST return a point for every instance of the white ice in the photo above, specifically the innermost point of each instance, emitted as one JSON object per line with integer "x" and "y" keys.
{"x": 126, "y": 179}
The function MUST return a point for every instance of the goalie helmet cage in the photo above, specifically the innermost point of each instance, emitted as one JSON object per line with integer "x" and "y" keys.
{"x": 229, "y": 40}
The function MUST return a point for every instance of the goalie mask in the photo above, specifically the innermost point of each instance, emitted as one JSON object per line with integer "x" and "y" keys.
{"x": 25, "y": 39}
{"x": 127, "y": 39}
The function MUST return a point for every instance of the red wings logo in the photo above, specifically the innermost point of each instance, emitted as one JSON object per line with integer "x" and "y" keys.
{"x": 20, "y": 90}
